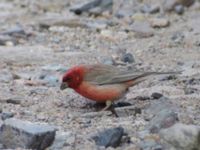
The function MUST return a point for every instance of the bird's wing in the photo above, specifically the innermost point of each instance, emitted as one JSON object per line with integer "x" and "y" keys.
{"x": 100, "y": 73}
{"x": 105, "y": 74}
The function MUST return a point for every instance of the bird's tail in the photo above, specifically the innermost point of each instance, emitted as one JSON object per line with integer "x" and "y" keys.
{"x": 146, "y": 75}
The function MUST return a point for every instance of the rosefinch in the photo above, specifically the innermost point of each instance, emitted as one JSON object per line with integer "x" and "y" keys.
{"x": 103, "y": 83}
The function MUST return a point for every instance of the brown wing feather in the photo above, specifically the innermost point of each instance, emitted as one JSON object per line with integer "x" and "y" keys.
{"x": 105, "y": 74}
{"x": 98, "y": 73}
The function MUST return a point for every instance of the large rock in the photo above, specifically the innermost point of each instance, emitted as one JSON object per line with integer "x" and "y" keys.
{"x": 163, "y": 119}
{"x": 182, "y": 137}
{"x": 158, "y": 106}
{"x": 109, "y": 137}
{"x": 16, "y": 133}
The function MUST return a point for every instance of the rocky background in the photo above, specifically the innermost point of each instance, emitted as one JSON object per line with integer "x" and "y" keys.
{"x": 41, "y": 39}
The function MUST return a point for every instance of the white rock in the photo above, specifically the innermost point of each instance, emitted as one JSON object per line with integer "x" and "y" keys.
{"x": 182, "y": 136}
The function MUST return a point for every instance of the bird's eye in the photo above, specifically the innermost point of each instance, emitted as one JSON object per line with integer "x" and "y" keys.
{"x": 67, "y": 79}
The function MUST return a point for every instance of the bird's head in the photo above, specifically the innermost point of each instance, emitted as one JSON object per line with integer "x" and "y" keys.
{"x": 72, "y": 78}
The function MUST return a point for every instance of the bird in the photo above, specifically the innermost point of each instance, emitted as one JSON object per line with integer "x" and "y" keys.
{"x": 103, "y": 83}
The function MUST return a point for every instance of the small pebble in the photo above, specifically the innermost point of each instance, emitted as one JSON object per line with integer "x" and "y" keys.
{"x": 128, "y": 58}
{"x": 156, "y": 95}
{"x": 179, "y": 9}
{"x": 108, "y": 61}
{"x": 150, "y": 9}
{"x": 159, "y": 22}
{"x": 14, "y": 100}
{"x": 178, "y": 37}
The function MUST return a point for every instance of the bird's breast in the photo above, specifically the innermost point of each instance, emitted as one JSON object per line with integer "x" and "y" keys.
{"x": 101, "y": 93}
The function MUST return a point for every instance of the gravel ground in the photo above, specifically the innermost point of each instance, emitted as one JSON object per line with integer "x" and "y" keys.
{"x": 40, "y": 40}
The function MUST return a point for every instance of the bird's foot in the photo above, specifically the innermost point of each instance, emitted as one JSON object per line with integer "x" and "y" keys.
{"x": 109, "y": 106}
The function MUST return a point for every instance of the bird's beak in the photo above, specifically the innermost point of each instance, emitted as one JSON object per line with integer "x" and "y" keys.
{"x": 63, "y": 86}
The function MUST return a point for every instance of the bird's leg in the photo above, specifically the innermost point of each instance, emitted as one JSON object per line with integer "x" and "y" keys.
{"x": 112, "y": 109}
{"x": 109, "y": 105}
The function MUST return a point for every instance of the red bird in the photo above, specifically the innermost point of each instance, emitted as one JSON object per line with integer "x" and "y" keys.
{"x": 103, "y": 83}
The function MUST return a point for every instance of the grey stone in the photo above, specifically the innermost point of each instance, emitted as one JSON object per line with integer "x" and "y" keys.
{"x": 38, "y": 91}
{"x": 17, "y": 133}
{"x": 143, "y": 134}
{"x": 1, "y": 123}
{"x": 169, "y": 5}
{"x": 159, "y": 22}
{"x": 158, "y": 147}
{"x": 178, "y": 37}
{"x": 127, "y": 111}
{"x": 46, "y": 23}
{"x": 5, "y": 76}
{"x": 55, "y": 67}
{"x": 63, "y": 140}
{"x": 4, "y": 39}
{"x": 192, "y": 81}
{"x": 190, "y": 90}
{"x": 47, "y": 77}
{"x": 14, "y": 54}
{"x": 156, "y": 95}
{"x": 182, "y": 136}
{"x": 142, "y": 98}
{"x": 14, "y": 100}
{"x": 157, "y": 106}
{"x": 6, "y": 115}
{"x": 142, "y": 30}
{"x": 1, "y": 146}
{"x": 128, "y": 58}
{"x": 147, "y": 144}
{"x": 186, "y": 2}
{"x": 163, "y": 119}
{"x": 179, "y": 9}
{"x": 95, "y": 114}
{"x": 93, "y": 7}
{"x": 107, "y": 61}
{"x": 151, "y": 9}
{"x": 125, "y": 8}
{"x": 14, "y": 31}
{"x": 97, "y": 25}
{"x": 125, "y": 12}
{"x": 109, "y": 137}
{"x": 51, "y": 80}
